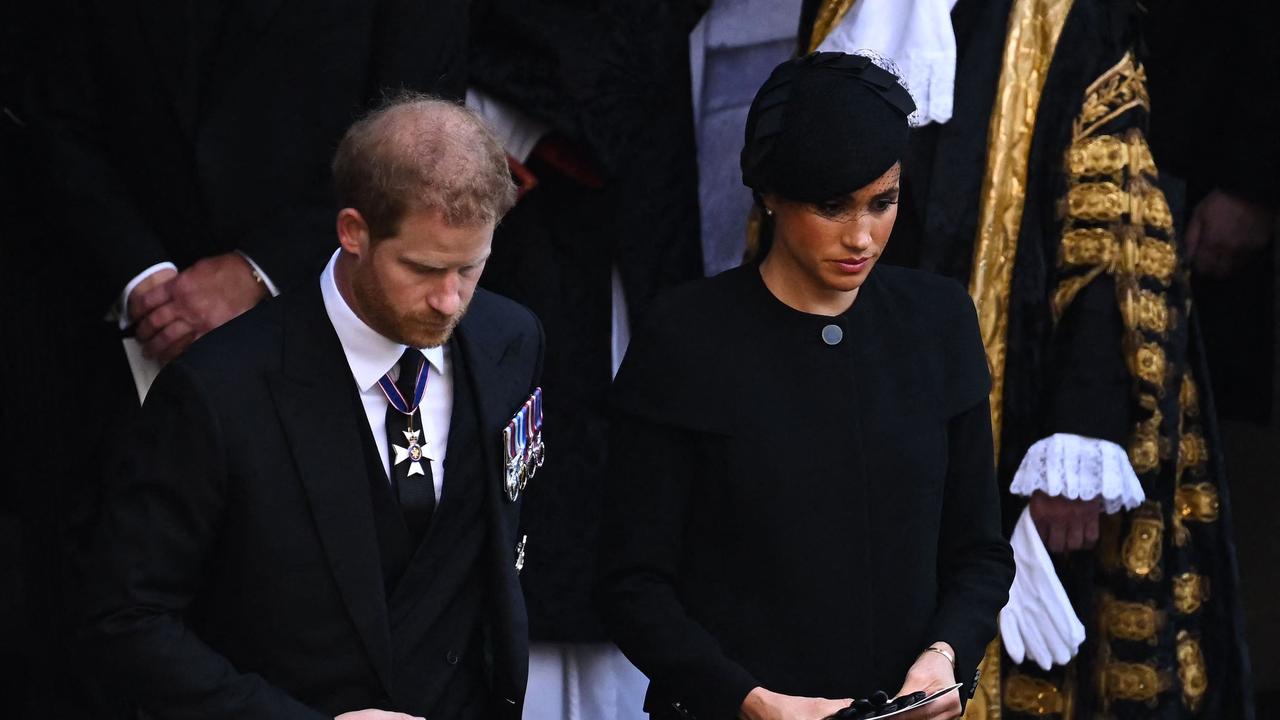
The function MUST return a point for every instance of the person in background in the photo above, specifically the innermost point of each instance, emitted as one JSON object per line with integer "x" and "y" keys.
{"x": 607, "y": 218}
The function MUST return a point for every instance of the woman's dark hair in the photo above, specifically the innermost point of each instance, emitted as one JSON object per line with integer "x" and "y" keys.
{"x": 824, "y": 125}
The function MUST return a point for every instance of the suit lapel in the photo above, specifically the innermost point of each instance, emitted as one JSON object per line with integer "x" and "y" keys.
{"x": 320, "y": 412}
{"x": 498, "y": 389}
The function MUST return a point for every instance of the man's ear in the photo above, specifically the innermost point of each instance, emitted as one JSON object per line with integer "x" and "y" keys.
{"x": 353, "y": 232}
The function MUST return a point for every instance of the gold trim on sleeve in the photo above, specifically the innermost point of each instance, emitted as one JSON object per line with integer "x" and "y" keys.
{"x": 1150, "y": 365}
{"x": 1135, "y": 682}
{"x": 1191, "y": 671}
{"x": 1107, "y": 202}
{"x": 1198, "y": 502}
{"x": 1157, "y": 259}
{"x": 1033, "y": 696}
{"x": 1190, "y": 592}
{"x": 1142, "y": 548}
{"x": 1132, "y": 621}
{"x": 1189, "y": 396}
{"x": 1115, "y": 92}
{"x": 1146, "y": 310}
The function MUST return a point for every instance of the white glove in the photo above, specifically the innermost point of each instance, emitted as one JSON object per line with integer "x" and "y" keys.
{"x": 1038, "y": 623}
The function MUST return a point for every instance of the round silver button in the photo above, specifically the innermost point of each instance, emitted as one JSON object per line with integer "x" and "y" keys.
{"x": 832, "y": 334}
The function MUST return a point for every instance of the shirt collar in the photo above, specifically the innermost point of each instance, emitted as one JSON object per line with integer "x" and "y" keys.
{"x": 369, "y": 354}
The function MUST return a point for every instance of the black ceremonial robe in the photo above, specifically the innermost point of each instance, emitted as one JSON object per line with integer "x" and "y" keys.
{"x": 796, "y": 515}
{"x": 1104, "y": 341}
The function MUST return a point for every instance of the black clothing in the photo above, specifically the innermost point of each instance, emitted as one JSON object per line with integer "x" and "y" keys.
{"x": 824, "y": 125}
{"x": 177, "y": 130}
{"x": 1081, "y": 360}
{"x": 416, "y": 494}
{"x": 1230, "y": 143}
{"x": 1214, "y": 77}
{"x": 253, "y": 562}
{"x": 595, "y": 74}
{"x": 797, "y": 515}
{"x": 173, "y": 132}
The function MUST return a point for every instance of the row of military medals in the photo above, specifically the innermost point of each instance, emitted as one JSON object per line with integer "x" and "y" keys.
{"x": 523, "y": 446}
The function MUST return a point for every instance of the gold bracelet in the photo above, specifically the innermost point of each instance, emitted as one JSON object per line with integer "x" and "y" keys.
{"x": 941, "y": 652}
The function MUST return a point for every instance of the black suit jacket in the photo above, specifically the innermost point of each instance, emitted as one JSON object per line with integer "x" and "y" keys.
{"x": 172, "y": 132}
{"x": 238, "y": 573}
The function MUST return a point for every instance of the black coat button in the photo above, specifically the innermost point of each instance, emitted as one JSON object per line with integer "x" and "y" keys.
{"x": 451, "y": 657}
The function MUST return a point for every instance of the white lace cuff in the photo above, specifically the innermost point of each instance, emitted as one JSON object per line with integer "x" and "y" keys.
{"x": 1079, "y": 468}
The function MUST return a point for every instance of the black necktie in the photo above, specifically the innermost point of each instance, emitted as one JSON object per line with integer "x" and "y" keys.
{"x": 410, "y": 468}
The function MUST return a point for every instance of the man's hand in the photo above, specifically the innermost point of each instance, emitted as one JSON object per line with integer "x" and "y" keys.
{"x": 202, "y": 297}
{"x": 1225, "y": 231}
{"x": 134, "y": 306}
{"x": 762, "y": 704}
{"x": 376, "y": 715}
{"x": 932, "y": 672}
{"x": 1065, "y": 524}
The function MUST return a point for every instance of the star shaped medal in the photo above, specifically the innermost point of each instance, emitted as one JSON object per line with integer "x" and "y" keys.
{"x": 414, "y": 454}
{"x": 414, "y": 451}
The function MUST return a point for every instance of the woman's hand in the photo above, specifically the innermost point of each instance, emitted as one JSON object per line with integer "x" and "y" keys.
{"x": 930, "y": 673}
{"x": 762, "y": 704}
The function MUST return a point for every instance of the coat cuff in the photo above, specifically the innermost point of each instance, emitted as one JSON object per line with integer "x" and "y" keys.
{"x": 1079, "y": 468}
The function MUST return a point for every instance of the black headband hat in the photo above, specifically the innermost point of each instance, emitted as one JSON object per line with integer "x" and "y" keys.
{"x": 823, "y": 126}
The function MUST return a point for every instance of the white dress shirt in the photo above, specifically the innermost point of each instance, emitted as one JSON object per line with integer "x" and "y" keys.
{"x": 371, "y": 356}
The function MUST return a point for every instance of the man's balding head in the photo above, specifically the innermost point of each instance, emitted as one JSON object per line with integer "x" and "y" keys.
{"x": 419, "y": 152}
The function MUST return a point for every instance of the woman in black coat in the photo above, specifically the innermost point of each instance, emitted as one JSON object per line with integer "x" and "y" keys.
{"x": 802, "y": 506}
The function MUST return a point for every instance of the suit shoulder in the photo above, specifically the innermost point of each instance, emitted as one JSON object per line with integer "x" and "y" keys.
{"x": 496, "y": 311}
{"x": 244, "y": 344}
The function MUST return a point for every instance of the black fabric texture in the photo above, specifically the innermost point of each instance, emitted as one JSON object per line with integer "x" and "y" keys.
{"x": 765, "y": 486}
{"x": 242, "y": 566}
{"x": 1069, "y": 374}
{"x": 416, "y": 493}
{"x": 612, "y": 80}
{"x": 824, "y": 125}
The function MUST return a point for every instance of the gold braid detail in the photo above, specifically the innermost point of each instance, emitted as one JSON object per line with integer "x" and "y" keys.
{"x": 829, "y": 16}
{"x": 1030, "y": 42}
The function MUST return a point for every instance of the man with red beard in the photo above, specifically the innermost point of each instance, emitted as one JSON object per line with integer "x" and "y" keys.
{"x": 314, "y": 521}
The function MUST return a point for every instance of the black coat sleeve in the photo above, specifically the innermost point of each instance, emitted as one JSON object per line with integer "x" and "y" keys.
{"x": 975, "y": 562}
{"x": 652, "y": 467}
{"x": 159, "y": 526}
{"x": 1088, "y": 384}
